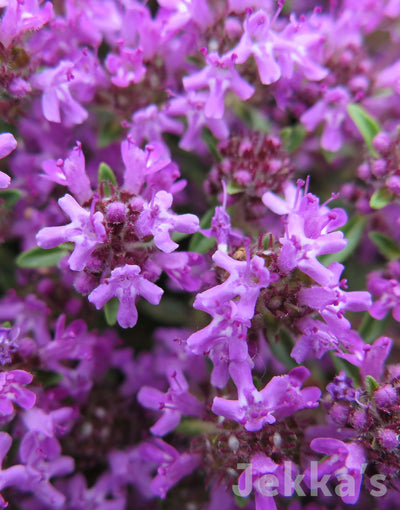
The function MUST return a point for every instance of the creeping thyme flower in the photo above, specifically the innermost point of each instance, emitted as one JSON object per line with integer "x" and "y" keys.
{"x": 126, "y": 283}
{"x": 86, "y": 230}
{"x": 281, "y": 397}
{"x": 7, "y": 144}
{"x": 12, "y": 390}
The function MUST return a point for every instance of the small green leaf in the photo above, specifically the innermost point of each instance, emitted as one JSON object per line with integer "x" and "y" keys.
{"x": 169, "y": 311}
{"x": 380, "y": 198}
{"x": 240, "y": 501}
{"x": 293, "y": 136}
{"x": 8, "y": 198}
{"x": 211, "y": 143}
{"x": 194, "y": 427}
{"x": 232, "y": 188}
{"x": 37, "y": 257}
{"x": 366, "y": 124}
{"x": 370, "y": 328}
{"x": 106, "y": 176}
{"x": 385, "y": 245}
{"x": 110, "y": 128}
{"x": 47, "y": 378}
{"x": 111, "y": 310}
{"x": 353, "y": 231}
{"x": 198, "y": 242}
{"x": 371, "y": 384}
{"x": 282, "y": 349}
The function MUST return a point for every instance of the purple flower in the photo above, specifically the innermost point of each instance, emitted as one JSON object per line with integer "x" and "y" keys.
{"x": 370, "y": 358}
{"x": 7, "y": 144}
{"x": 223, "y": 340}
{"x": 71, "y": 173}
{"x": 184, "y": 268}
{"x": 388, "y": 292}
{"x": 126, "y": 283}
{"x": 172, "y": 465}
{"x": 104, "y": 494}
{"x": 21, "y": 17}
{"x": 139, "y": 164}
{"x": 60, "y": 84}
{"x": 86, "y": 230}
{"x": 150, "y": 123}
{"x": 43, "y": 460}
{"x": 275, "y": 53}
{"x": 331, "y": 301}
{"x": 345, "y": 460}
{"x": 192, "y": 107}
{"x": 49, "y": 424}
{"x": 127, "y": 67}
{"x": 12, "y": 390}
{"x": 158, "y": 221}
{"x": 280, "y": 398}
{"x": 173, "y": 404}
{"x": 267, "y": 478}
{"x": 319, "y": 338}
{"x": 8, "y": 343}
{"x": 182, "y": 12}
{"x": 332, "y": 110}
{"x": 245, "y": 280}
{"x": 308, "y": 232}
{"x": 218, "y": 76}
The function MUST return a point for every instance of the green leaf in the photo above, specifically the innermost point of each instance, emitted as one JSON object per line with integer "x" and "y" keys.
{"x": 211, "y": 143}
{"x": 380, "y": 198}
{"x": 371, "y": 384}
{"x": 233, "y": 188}
{"x": 106, "y": 174}
{"x": 110, "y": 128}
{"x": 282, "y": 349}
{"x": 293, "y": 136}
{"x": 366, "y": 124}
{"x": 10, "y": 197}
{"x": 385, "y": 245}
{"x": 170, "y": 311}
{"x": 370, "y": 328}
{"x": 353, "y": 231}
{"x": 7, "y": 268}
{"x": 47, "y": 378}
{"x": 111, "y": 310}
{"x": 200, "y": 243}
{"x": 240, "y": 501}
{"x": 37, "y": 257}
{"x": 194, "y": 427}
